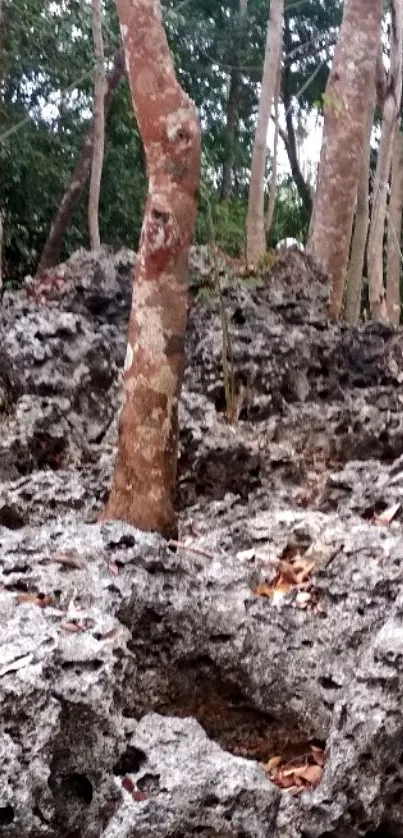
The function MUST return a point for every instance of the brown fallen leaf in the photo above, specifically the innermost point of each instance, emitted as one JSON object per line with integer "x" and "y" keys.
{"x": 73, "y": 628}
{"x": 69, "y": 558}
{"x": 42, "y": 600}
{"x": 139, "y": 795}
{"x": 387, "y": 516}
{"x": 299, "y": 774}
{"x": 318, "y": 755}
{"x": 272, "y": 763}
{"x": 128, "y": 784}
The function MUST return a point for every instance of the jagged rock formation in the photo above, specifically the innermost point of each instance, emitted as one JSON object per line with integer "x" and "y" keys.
{"x": 142, "y": 687}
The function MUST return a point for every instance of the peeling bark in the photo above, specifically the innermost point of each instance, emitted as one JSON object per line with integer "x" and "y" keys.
{"x": 145, "y": 474}
{"x": 395, "y": 232}
{"x": 256, "y": 238}
{"x": 347, "y": 96}
{"x": 54, "y": 243}
{"x": 359, "y": 240}
{"x": 99, "y": 127}
{"x": 393, "y": 96}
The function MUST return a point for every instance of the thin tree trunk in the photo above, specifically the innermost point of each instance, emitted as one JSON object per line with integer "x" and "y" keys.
{"x": 144, "y": 479}
{"x": 255, "y": 237}
{"x": 394, "y": 258}
{"x": 290, "y": 140}
{"x": 347, "y": 97}
{"x": 235, "y": 89}
{"x": 268, "y": 221}
{"x": 377, "y": 291}
{"x": 99, "y": 127}
{"x": 359, "y": 241}
{"x": 51, "y": 252}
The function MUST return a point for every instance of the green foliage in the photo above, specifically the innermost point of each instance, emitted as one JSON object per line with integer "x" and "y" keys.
{"x": 46, "y": 68}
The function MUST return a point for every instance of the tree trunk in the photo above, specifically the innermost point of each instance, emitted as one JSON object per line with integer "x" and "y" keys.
{"x": 347, "y": 97}
{"x": 358, "y": 244}
{"x": 144, "y": 479}
{"x": 395, "y": 232}
{"x": 99, "y": 128}
{"x": 268, "y": 221}
{"x": 290, "y": 140}
{"x": 391, "y": 108}
{"x": 51, "y": 252}
{"x": 235, "y": 88}
{"x": 255, "y": 237}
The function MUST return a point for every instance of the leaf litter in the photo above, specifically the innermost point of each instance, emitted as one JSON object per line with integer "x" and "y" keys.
{"x": 303, "y": 773}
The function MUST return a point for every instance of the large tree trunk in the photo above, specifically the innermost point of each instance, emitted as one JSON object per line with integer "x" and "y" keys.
{"x": 271, "y": 203}
{"x": 377, "y": 292}
{"x": 359, "y": 241}
{"x": 235, "y": 89}
{"x": 289, "y": 138}
{"x": 144, "y": 480}
{"x": 256, "y": 238}
{"x": 99, "y": 128}
{"x": 395, "y": 232}
{"x": 347, "y": 97}
{"x": 54, "y": 243}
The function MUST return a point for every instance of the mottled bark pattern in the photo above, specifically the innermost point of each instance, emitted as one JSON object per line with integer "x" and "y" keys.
{"x": 391, "y": 108}
{"x": 54, "y": 243}
{"x": 395, "y": 232}
{"x": 256, "y": 238}
{"x": 347, "y": 97}
{"x": 359, "y": 240}
{"x": 145, "y": 474}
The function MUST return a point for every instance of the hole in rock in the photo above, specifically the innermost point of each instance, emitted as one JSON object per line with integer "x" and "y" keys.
{"x": 149, "y": 783}
{"x": 383, "y": 831}
{"x": 10, "y": 518}
{"x": 197, "y": 690}
{"x": 6, "y": 815}
{"x": 79, "y": 786}
{"x": 130, "y": 761}
{"x": 328, "y": 684}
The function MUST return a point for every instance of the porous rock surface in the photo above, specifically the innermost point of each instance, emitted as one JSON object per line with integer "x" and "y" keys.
{"x": 143, "y": 686}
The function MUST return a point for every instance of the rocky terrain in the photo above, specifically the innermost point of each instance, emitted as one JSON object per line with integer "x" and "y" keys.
{"x": 246, "y": 681}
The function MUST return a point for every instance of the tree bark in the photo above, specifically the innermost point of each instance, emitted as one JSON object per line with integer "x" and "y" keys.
{"x": 235, "y": 89}
{"x": 99, "y": 128}
{"x": 393, "y": 275}
{"x": 346, "y": 106}
{"x": 359, "y": 240}
{"x": 391, "y": 108}
{"x": 268, "y": 221}
{"x": 51, "y": 252}
{"x": 144, "y": 479}
{"x": 255, "y": 236}
{"x": 291, "y": 143}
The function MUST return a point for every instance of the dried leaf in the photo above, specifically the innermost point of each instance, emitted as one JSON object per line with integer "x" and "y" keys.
{"x": 312, "y": 775}
{"x": 42, "y": 600}
{"x": 113, "y": 568}
{"x": 73, "y": 628}
{"x": 318, "y": 755}
{"x": 69, "y": 558}
{"x": 387, "y": 516}
{"x": 272, "y": 763}
{"x": 128, "y": 784}
{"x": 139, "y": 795}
